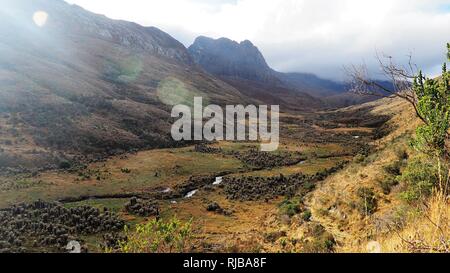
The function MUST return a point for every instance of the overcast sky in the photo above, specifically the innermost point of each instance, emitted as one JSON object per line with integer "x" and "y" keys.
{"x": 317, "y": 36}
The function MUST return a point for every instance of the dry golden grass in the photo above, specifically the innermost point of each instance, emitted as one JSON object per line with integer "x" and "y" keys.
{"x": 427, "y": 233}
{"x": 333, "y": 203}
{"x": 243, "y": 231}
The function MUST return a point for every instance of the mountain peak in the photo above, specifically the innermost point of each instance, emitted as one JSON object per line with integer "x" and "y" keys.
{"x": 247, "y": 43}
{"x": 227, "y": 58}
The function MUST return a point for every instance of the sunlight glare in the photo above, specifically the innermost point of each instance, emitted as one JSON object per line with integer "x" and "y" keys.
{"x": 40, "y": 18}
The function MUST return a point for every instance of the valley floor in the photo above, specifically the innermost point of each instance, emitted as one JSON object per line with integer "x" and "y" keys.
{"x": 318, "y": 217}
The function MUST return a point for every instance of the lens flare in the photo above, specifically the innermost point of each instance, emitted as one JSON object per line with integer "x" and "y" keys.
{"x": 172, "y": 91}
{"x": 40, "y": 18}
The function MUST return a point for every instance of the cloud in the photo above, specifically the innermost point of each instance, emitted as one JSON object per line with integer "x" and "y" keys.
{"x": 318, "y": 36}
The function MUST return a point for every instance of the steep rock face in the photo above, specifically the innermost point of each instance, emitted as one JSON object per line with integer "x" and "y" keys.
{"x": 226, "y": 58}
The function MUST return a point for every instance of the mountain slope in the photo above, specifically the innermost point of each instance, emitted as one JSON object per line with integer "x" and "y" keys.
{"x": 85, "y": 84}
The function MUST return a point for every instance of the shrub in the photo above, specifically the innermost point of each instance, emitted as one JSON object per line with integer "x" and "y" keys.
{"x": 65, "y": 165}
{"x": 394, "y": 168}
{"x": 316, "y": 230}
{"x": 307, "y": 215}
{"x": 433, "y": 106}
{"x": 125, "y": 170}
{"x": 272, "y": 237}
{"x": 158, "y": 237}
{"x": 367, "y": 204}
{"x": 419, "y": 176}
{"x": 401, "y": 154}
{"x": 290, "y": 207}
{"x": 359, "y": 158}
{"x": 308, "y": 186}
{"x": 321, "y": 242}
{"x": 387, "y": 185}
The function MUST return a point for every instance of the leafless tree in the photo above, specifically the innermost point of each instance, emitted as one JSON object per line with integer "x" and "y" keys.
{"x": 400, "y": 77}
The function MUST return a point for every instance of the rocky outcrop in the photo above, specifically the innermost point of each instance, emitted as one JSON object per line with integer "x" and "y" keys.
{"x": 226, "y": 58}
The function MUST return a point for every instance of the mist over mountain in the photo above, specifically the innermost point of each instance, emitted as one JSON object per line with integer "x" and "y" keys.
{"x": 244, "y": 66}
{"x": 229, "y": 59}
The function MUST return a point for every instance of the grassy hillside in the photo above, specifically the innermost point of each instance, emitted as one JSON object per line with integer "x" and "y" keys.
{"x": 83, "y": 85}
{"x": 363, "y": 203}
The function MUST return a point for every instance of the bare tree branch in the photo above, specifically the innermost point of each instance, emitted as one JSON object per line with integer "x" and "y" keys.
{"x": 399, "y": 77}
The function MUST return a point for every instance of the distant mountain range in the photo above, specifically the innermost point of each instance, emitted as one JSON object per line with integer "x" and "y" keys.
{"x": 229, "y": 59}
{"x": 242, "y": 63}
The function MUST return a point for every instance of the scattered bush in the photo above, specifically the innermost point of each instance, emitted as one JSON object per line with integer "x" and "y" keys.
{"x": 8, "y": 142}
{"x": 215, "y": 207}
{"x": 290, "y": 207}
{"x": 50, "y": 226}
{"x": 367, "y": 204}
{"x": 143, "y": 208}
{"x": 272, "y": 237}
{"x": 125, "y": 170}
{"x": 401, "y": 154}
{"x": 268, "y": 160}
